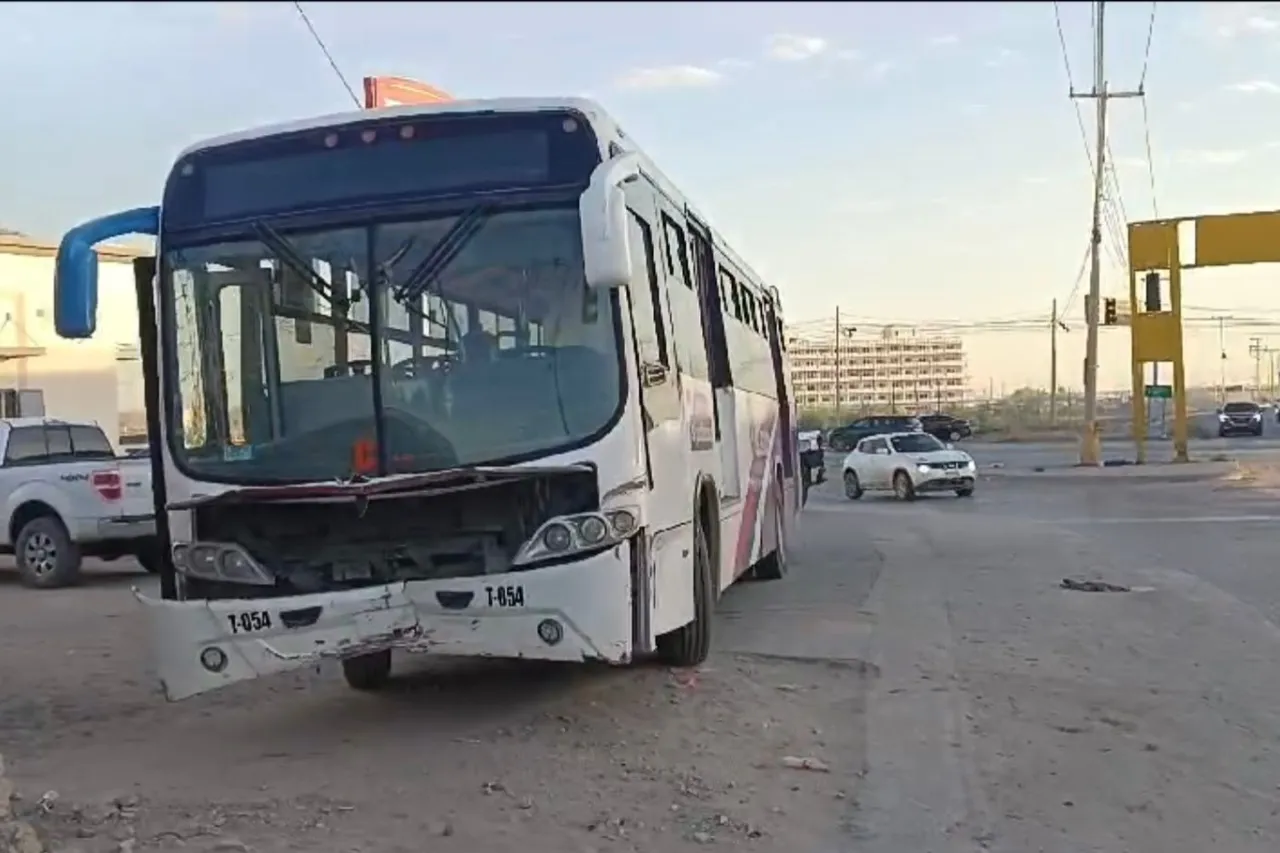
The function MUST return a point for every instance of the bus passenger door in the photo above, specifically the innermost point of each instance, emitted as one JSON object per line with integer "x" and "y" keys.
{"x": 719, "y": 371}
{"x": 668, "y": 507}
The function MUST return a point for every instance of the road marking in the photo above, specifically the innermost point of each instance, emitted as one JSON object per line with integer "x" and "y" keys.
{"x": 1181, "y": 519}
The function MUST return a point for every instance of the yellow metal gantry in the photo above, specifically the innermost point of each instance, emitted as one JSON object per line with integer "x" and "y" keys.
{"x": 1221, "y": 240}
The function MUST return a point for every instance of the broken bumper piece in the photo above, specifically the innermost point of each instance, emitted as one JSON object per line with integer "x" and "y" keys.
{"x": 573, "y": 612}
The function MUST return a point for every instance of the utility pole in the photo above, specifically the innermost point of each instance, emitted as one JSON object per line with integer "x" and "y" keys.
{"x": 1055, "y": 323}
{"x": 1222, "y": 361}
{"x": 1090, "y": 445}
{"x": 1255, "y": 350}
{"x": 838, "y": 364}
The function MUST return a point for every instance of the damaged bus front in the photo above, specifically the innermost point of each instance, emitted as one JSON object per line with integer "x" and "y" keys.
{"x": 392, "y": 405}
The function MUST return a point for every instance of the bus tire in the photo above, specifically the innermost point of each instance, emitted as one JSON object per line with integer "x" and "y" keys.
{"x": 150, "y": 558}
{"x": 690, "y": 644}
{"x": 773, "y": 566}
{"x": 369, "y": 671}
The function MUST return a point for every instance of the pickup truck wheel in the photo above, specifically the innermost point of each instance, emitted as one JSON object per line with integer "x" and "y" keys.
{"x": 368, "y": 672}
{"x": 46, "y": 556}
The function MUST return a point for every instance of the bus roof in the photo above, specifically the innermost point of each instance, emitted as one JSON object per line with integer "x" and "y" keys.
{"x": 606, "y": 128}
{"x": 493, "y": 105}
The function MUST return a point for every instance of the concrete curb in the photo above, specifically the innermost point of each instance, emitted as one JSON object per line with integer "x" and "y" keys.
{"x": 1187, "y": 473}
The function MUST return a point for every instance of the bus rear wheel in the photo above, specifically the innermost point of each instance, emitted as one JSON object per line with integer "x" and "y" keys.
{"x": 773, "y": 567}
{"x": 690, "y": 644}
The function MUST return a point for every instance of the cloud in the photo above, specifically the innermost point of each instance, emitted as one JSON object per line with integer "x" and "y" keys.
{"x": 787, "y": 47}
{"x": 1252, "y": 25}
{"x": 1211, "y": 156}
{"x": 880, "y": 70}
{"x": 1001, "y": 58}
{"x": 670, "y": 77}
{"x": 1253, "y": 87}
{"x": 1239, "y": 20}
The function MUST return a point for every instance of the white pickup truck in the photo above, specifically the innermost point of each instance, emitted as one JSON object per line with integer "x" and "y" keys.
{"x": 65, "y": 494}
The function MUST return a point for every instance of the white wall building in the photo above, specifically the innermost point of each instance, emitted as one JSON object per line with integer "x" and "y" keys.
{"x": 99, "y": 379}
{"x": 899, "y": 370}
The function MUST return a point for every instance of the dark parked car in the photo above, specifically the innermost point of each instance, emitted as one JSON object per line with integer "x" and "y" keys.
{"x": 945, "y": 427}
{"x": 1242, "y": 418}
{"x": 842, "y": 439}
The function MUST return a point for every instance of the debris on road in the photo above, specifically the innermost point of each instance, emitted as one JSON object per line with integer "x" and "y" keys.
{"x": 16, "y": 835}
{"x": 812, "y": 764}
{"x": 1092, "y": 586}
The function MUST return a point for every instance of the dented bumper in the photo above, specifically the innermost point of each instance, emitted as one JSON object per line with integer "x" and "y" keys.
{"x": 204, "y": 645}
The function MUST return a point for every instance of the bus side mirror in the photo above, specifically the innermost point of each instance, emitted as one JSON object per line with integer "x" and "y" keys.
{"x": 606, "y": 253}
{"x": 75, "y": 277}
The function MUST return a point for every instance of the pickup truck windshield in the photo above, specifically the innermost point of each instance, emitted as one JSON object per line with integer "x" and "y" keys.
{"x": 501, "y": 353}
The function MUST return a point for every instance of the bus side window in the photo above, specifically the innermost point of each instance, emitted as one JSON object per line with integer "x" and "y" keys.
{"x": 738, "y": 313}
{"x": 645, "y": 293}
{"x": 677, "y": 251}
{"x": 727, "y": 284}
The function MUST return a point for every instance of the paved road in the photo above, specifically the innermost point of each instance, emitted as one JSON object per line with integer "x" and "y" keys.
{"x": 923, "y": 652}
{"x": 1015, "y": 716}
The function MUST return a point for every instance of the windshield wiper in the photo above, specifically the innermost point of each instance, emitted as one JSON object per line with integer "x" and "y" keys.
{"x": 290, "y": 257}
{"x": 454, "y": 239}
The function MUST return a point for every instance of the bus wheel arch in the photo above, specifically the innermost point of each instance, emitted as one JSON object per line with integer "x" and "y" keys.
{"x": 773, "y": 566}
{"x": 690, "y": 644}
{"x": 707, "y": 513}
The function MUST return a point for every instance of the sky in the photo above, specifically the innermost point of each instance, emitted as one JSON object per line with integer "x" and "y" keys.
{"x": 913, "y": 163}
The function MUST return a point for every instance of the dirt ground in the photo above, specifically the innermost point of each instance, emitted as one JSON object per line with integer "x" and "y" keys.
{"x": 490, "y": 756}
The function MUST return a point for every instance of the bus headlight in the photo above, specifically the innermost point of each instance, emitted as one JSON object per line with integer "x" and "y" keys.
{"x": 557, "y": 537}
{"x": 574, "y": 534}
{"x": 220, "y": 562}
{"x": 593, "y": 530}
{"x": 623, "y": 521}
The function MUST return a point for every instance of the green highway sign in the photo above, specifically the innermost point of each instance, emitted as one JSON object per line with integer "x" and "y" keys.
{"x": 1159, "y": 392}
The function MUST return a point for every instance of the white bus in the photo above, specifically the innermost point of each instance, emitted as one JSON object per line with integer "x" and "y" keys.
{"x": 467, "y": 378}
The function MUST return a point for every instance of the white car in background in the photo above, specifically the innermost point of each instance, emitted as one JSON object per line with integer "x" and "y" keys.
{"x": 908, "y": 464}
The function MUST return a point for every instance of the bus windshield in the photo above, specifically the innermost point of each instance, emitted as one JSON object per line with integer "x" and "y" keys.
{"x": 503, "y": 354}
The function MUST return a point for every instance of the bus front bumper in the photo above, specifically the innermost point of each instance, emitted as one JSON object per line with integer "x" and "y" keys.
{"x": 572, "y": 612}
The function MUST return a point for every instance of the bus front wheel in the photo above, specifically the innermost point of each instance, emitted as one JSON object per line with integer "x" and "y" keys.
{"x": 370, "y": 671}
{"x": 691, "y": 644}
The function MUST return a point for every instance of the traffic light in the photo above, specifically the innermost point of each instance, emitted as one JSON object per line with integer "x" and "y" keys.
{"x": 1108, "y": 312}
{"x": 1152, "y": 282}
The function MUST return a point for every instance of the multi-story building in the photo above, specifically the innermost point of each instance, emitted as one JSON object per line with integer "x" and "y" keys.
{"x": 898, "y": 370}
{"x": 98, "y": 379}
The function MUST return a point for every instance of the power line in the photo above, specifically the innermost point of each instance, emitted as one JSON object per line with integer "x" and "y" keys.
{"x": 1151, "y": 166}
{"x": 302, "y": 13}
{"x": 1146, "y": 53}
{"x": 1069, "y": 302}
{"x": 1118, "y": 247}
